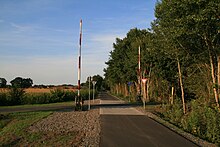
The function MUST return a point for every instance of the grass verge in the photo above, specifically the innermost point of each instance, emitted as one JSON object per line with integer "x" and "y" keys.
{"x": 37, "y": 105}
{"x": 13, "y": 127}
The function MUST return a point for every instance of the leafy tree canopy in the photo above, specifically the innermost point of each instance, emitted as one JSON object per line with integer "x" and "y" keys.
{"x": 3, "y": 82}
{"x": 22, "y": 82}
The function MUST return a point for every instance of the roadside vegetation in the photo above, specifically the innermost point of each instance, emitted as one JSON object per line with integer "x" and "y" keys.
{"x": 180, "y": 59}
{"x": 14, "y": 128}
{"x": 18, "y": 96}
{"x": 21, "y": 92}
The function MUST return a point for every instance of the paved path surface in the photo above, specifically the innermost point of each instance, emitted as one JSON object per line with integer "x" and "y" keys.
{"x": 124, "y": 126}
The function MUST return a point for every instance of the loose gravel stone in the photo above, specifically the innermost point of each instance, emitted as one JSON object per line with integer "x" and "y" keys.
{"x": 85, "y": 123}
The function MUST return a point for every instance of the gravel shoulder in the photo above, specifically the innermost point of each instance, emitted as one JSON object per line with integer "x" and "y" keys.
{"x": 85, "y": 125}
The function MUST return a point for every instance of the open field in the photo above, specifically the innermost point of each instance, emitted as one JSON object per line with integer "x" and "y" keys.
{"x": 45, "y": 90}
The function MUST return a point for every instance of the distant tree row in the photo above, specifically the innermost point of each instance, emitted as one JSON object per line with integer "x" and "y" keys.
{"x": 17, "y": 82}
{"x": 20, "y": 82}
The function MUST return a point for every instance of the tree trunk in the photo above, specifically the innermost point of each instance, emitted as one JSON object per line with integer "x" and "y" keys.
{"x": 126, "y": 89}
{"x": 181, "y": 86}
{"x": 148, "y": 85}
{"x": 218, "y": 79}
{"x": 172, "y": 95}
{"x": 211, "y": 52}
{"x": 117, "y": 89}
{"x": 214, "y": 80}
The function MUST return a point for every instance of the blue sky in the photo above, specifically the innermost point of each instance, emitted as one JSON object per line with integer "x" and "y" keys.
{"x": 39, "y": 39}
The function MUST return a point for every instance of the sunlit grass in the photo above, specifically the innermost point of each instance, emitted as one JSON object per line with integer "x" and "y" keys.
{"x": 14, "y": 125}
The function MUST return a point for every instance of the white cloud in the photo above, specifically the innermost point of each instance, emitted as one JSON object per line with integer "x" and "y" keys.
{"x": 22, "y": 28}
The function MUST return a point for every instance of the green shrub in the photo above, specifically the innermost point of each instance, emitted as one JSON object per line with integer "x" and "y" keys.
{"x": 69, "y": 96}
{"x": 4, "y": 99}
{"x": 84, "y": 93}
{"x": 16, "y": 95}
{"x": 173, "y": 113}
{"x": 195, "y": 120}
{"x": 203, "y": 121}
{"x": 37, "y": 98}
{"x": 212, "y": 118}
{"x": 57, "y": 95}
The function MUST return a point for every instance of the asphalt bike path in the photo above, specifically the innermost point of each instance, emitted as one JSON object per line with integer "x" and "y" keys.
{"x": 124, "y": 126}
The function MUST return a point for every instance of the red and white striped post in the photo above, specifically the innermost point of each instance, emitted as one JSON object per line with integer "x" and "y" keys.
{"x": 79, "y": 100}
{"x": 139, "y": 71}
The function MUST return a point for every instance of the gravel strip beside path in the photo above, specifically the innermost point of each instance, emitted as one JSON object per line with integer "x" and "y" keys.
{"x": 85, "y": 123}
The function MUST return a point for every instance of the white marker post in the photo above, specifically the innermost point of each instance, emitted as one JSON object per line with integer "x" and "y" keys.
{"x": 93, "y": 82}
{"x": 144, "y": 97}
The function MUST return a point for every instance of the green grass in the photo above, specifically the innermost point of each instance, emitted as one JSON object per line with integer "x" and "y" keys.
{"x": 14, "y": 129}
{"x": 14, "y": 126}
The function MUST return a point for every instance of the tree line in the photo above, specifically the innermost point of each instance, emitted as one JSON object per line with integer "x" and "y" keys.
{"x": 180, "y": 51}
{"x": 18, "y": 82}
{"x": 180, "y": 58}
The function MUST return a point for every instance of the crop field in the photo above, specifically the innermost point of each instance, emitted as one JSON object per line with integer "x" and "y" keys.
{"x": 45, "y": 90}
